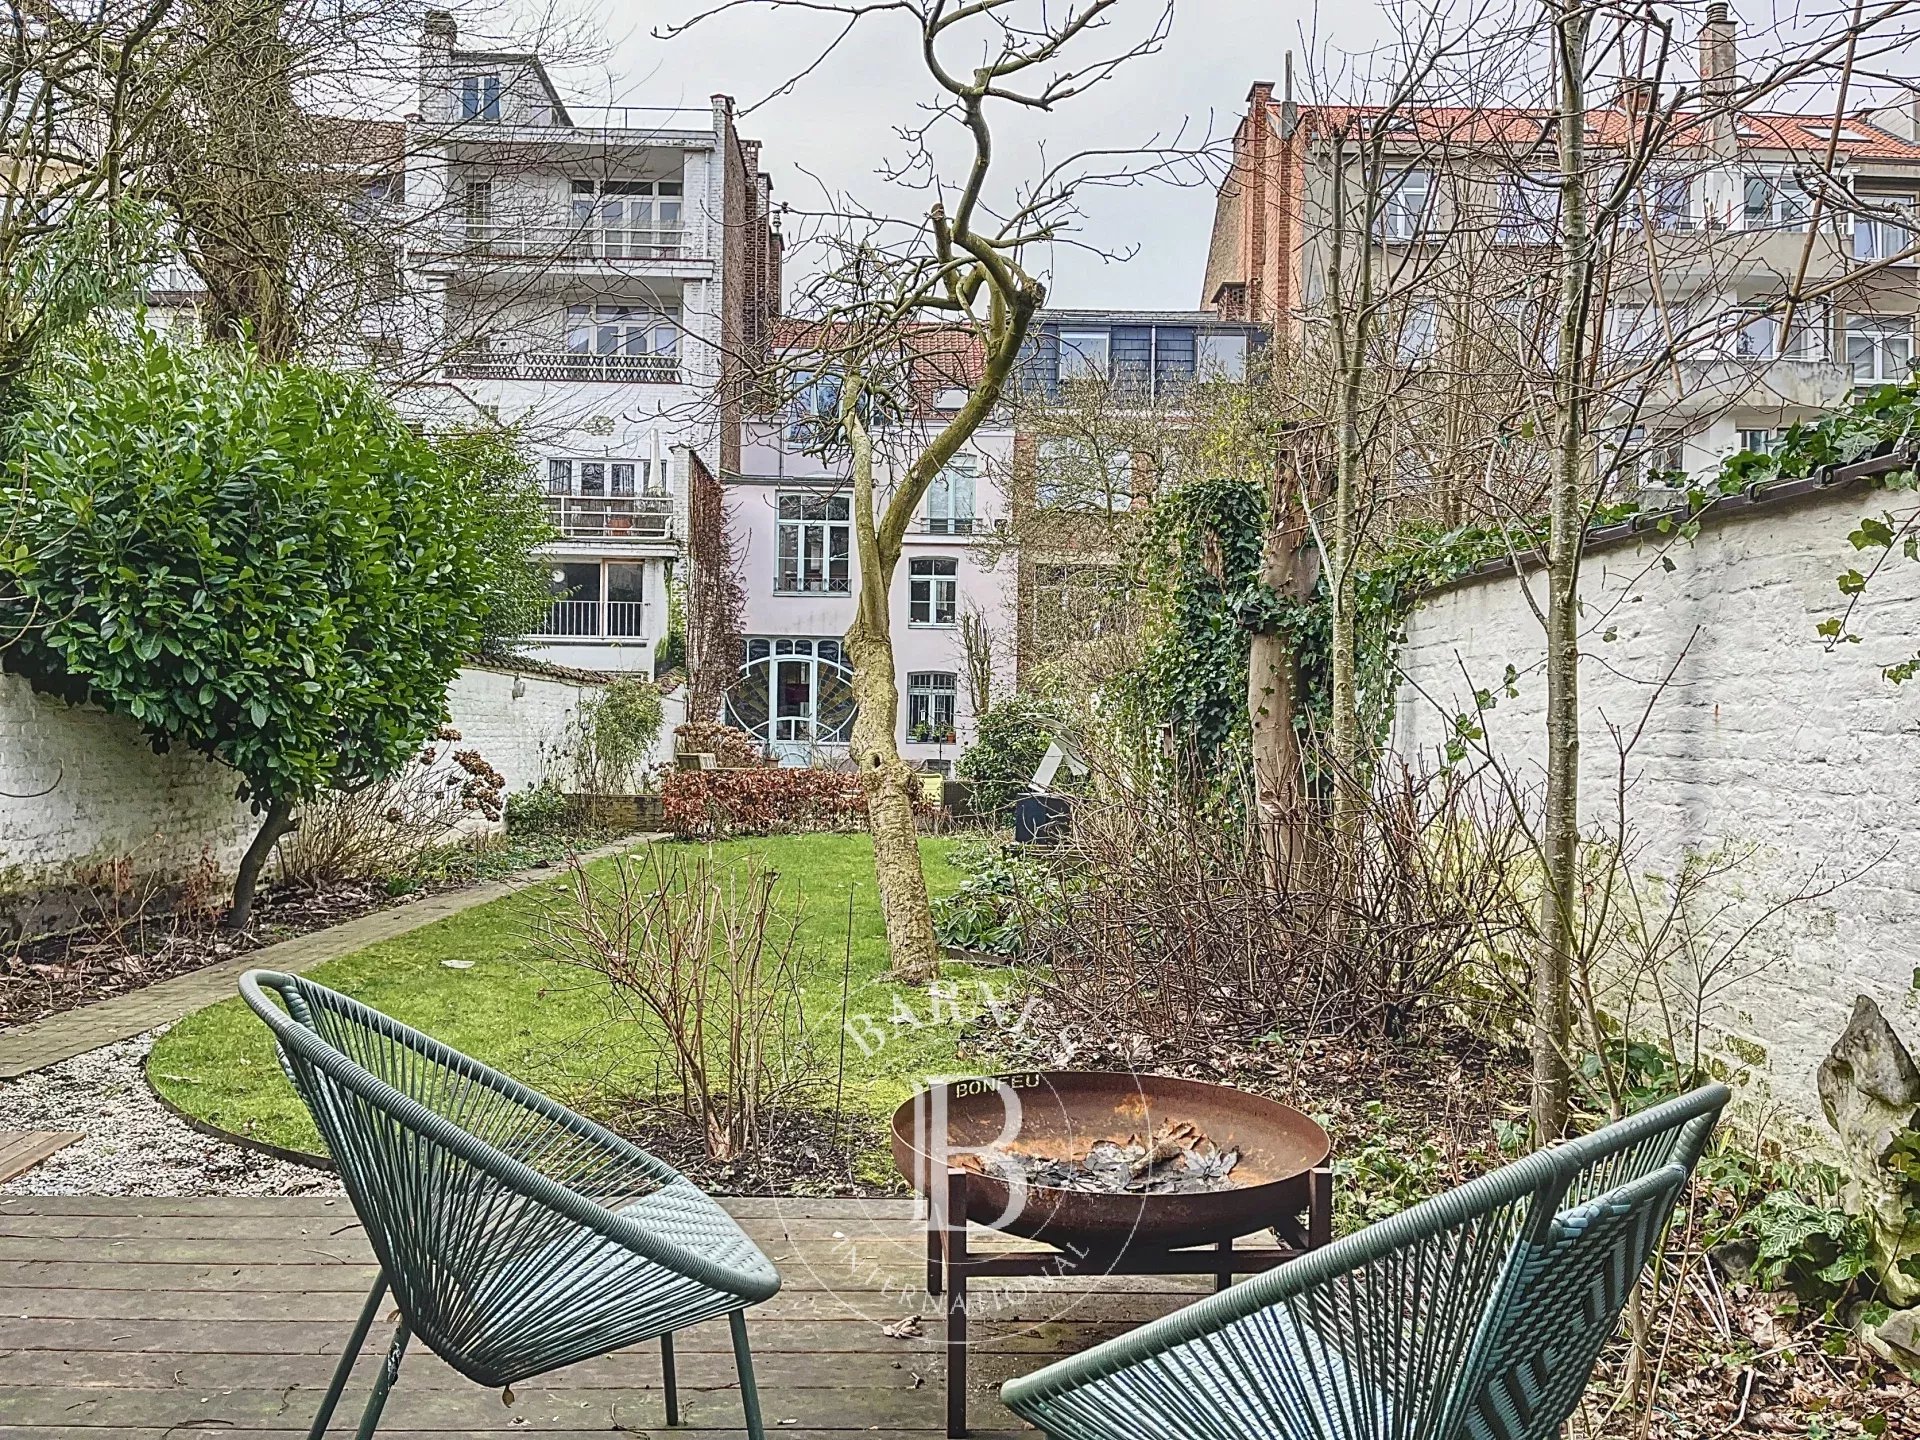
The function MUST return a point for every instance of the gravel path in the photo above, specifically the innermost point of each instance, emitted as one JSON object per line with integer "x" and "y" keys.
{"x": 134, "y": 1145}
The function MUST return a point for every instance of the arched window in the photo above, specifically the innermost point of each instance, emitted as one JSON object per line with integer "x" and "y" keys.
{"x": 792, "y": 694}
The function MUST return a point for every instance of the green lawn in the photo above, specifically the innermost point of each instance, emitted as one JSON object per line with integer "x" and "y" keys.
{"x": 548, "y": 1024}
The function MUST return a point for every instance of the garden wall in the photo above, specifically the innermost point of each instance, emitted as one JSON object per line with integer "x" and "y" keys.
{"x": 86, "y": 806}
{"x": 1766, "y": 745}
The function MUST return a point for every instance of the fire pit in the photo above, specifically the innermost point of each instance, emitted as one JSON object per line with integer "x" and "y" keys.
{"x": 1117, "y": 1173}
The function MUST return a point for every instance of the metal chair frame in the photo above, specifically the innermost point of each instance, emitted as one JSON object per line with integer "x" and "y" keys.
{"x": 515, "y": 1236}
{"x": 1477, "y": 1315}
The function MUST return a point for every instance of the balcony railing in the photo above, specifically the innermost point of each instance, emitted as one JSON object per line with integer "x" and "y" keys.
{"x": 560, "y": 240}
{"x": 612, "y": 517}
{"x": 566, "y": 365}
{"x": 593, "y": 619}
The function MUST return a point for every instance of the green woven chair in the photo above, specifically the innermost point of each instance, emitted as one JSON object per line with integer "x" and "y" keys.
{"x": 516, "y": 1236}
{"x": 1477, "y": 1315}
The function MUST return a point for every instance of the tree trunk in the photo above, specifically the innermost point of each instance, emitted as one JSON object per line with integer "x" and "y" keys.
{"x": 1552, "y": 1032}
{"x": 278, "y": 821}
{"x": 1287, "y": 569}
{"x": 888, "y": 780}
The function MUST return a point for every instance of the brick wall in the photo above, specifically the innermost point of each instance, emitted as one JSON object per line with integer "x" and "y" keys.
{"x": 86, "y": 804}
{"x": 1765, "y": 745}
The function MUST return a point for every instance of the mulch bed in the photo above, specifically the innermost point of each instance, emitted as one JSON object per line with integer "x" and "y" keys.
{"x": 806, "y": 1152}
{"x": 113, "y": 956}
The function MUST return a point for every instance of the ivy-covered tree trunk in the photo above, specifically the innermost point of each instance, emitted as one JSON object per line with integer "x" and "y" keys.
{"x": 887, "y": 778}
{"x": 1552, "y": 1029}
{"x": 1286, "y": 576}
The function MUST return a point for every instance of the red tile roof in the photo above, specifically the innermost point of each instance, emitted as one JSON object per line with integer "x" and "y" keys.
{"x": 1529, "y": 127}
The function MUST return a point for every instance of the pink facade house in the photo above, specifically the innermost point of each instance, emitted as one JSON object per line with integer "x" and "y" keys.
{"x": 791, "y": 513}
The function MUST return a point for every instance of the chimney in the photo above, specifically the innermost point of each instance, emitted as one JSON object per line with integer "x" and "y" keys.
{"x": 1717, "y": 63}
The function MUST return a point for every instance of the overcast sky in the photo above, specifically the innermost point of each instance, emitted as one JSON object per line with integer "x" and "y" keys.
{"x": 836, "y": 124}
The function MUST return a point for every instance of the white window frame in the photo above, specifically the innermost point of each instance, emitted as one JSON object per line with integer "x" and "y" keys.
{"x": 1668, "y": 200}
{"x": 1789, "y": 207}
{"x": 479, "y": 98}
{"x": 933, "y": 592}
{"x": 1879, "y": 239}
{"x": 933, "y": 704}
{"x": 952, "y": 497}
{"x": 813, "y": 544}
{"x": 621, "y": 330}
{"x": 1406, "y": 201}
{"x": 1529, "y": 209}
{"x": 629, "y": 219}
{"x": 1091, "y": 353}
{"x": 1419, "y": 334}
{"x": 1886, "y": 344}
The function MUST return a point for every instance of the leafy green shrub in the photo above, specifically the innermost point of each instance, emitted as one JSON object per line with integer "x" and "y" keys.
{"x": 617, "y": 734}
{"x": 263, "y": 564}
{"x": 543, "y": 809}
{"x": 1010, "y": 741}
{"x": 987, "y": 912}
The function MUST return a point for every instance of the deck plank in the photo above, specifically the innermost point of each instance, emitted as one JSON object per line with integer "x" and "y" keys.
{"x": 21, "y": 1150}
{"x": 146, "y": 1319}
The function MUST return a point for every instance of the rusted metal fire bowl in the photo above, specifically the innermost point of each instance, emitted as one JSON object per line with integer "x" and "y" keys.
{"x": 1060, "y": 1113}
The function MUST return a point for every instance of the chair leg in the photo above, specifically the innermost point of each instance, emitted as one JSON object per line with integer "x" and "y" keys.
{"x": 743, "y": 1362}
{"x": 368, "y": 1312}
{"x": 673, "y": 1386}
{"x": 382, "y": 1383}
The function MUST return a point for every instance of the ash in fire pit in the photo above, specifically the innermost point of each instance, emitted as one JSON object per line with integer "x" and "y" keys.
{"x": 1178, "y": 1159}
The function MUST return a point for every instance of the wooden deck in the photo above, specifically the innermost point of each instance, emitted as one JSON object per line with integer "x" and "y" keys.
{"x": 145, "y": 1319}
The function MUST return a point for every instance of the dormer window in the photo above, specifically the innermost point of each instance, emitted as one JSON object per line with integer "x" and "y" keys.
{"x": 480, "y": 98}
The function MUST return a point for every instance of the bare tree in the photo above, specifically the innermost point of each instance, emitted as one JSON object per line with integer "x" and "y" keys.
{"x": 889, "y": 285}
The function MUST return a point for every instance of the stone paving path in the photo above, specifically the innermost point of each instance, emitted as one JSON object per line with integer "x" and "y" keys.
{"x": 33, "y": 1046}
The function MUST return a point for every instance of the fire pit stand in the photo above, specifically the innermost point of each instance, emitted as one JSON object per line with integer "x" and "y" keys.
{"x": 951, "y": 1264}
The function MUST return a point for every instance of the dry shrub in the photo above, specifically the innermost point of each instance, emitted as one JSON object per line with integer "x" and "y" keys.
{"x": 731, "y": 748}
{"x": 1166, "y": 919}
{"x": 383, "y": 829}
{"x": 766, "y": 800}
{"x": 694, "y": 956}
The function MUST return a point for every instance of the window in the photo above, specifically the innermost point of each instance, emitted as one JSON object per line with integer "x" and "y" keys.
{"x": 1879, "y": 239}
{"x": 1652, "y": 457}
{"x": 601, "y": 477}
{"x": 480, "y": 97}
{"x": 1419, "y": 332}
{"x": 621, "y": 330}
{"x": 930, "y": 701}
{"x": 1529, "y": 209}
{"x": 814, "y": 411}
{"x": 1222, "y": 355}
{"x": 950, "y": 498}
{"x": 932, "y": 590}
{"x": 626, "y": 599}
{"x": 1762, "y": 442}
{"x": 1070, "y": 475}
{"x": 813, "y": 545}
{"x": 1085, "y": 354}
{"x": 1634, "y": 330}
{"x": 629, "y": 219}
{"x": 793, "y": 693}
{"x": 1666, "y": 200}
{"x": 479, "y": 210}
{"x": 1762, "y": 335}
{"x": 1403, "y": 209}
{"x": 1775, "y": 200}
{"x": 1879, "y": 348}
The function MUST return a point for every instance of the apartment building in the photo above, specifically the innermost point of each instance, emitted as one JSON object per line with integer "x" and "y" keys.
{"x": 1102, "y": 396}
{"x": 591, "y": 275}
{"x": 1701, "y": 353}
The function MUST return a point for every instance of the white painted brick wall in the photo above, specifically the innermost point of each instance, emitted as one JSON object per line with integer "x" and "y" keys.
{"x": 81, "y": 792}
{"x": 1765, "y": 739}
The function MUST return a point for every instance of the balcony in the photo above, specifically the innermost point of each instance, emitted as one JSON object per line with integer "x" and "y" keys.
{"x": 594, "y": 620}
{"x": 638, "y": 519}
{"x": 566, "y": 365}
{"x": 558, "y": 240}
